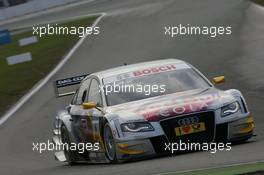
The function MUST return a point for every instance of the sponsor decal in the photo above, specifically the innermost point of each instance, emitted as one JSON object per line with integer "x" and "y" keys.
{"x": 70, "y": 81}
{"x": 144, "y": 72}
{"x": 154, "y": 70}
{"x": 173, "y": 108}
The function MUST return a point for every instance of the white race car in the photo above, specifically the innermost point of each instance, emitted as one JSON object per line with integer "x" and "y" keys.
{"x": 133, "y": 111}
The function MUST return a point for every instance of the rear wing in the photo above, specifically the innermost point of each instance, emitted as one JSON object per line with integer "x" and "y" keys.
{"x": 63, "y": 83}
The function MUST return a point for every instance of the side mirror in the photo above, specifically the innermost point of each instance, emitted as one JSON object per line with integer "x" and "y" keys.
{"x": 219, "y": 80}
{"x": 89, "y": 105}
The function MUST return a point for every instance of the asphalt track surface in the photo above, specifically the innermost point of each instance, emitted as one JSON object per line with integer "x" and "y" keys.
{"x": 132, "y": 32}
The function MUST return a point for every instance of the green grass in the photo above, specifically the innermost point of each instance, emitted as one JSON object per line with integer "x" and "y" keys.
{"x": 233, "y": 170}
{"x": 261, "y": 2}
{"x": 16, "y": 80}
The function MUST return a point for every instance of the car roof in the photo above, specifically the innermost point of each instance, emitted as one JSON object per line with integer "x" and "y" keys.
{"x": 134, "y": 67}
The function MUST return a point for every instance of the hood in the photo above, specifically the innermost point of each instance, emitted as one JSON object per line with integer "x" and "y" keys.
{"x": 171, "y": 105}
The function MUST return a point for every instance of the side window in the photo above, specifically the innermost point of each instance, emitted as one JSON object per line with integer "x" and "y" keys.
{"x": 94, "y": 93}
{"x": 82, "y": 92}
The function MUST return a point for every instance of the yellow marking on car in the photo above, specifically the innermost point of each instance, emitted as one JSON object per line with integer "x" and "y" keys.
{"x": 125, "y": 145}
{"x": 123, "y": 148}
{"x": 250, "y": 125}
{"x": 132, "y": 152}
{"x": 189, "y": 129}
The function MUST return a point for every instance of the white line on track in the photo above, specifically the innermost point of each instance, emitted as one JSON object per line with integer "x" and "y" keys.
{"x": 35, "y": 89}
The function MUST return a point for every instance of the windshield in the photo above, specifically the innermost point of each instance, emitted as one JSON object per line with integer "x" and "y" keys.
{"x": 130, "y": 89}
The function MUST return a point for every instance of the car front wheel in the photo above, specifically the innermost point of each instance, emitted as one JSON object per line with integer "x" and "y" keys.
{"x": 70, "y": 155}
{"x": 109, "y": 142}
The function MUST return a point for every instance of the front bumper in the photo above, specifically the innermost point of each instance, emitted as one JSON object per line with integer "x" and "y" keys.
{"x": 237, "y": 130}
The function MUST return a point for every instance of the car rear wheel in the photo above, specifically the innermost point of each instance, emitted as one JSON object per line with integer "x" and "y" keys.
{"x": 110, "y": 146}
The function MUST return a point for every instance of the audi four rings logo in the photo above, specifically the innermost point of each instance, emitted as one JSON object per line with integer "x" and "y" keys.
{"x": 188, "y": 121}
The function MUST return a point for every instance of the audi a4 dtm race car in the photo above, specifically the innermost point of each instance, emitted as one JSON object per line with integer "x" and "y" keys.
{"x": 132, "y": 111}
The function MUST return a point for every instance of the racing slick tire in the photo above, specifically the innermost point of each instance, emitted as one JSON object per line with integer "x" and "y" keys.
{"x": 69, "y": 155}
{"x": 110, "y": 145}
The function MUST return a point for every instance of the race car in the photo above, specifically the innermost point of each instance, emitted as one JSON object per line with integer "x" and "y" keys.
{"x": 133, "y": 111}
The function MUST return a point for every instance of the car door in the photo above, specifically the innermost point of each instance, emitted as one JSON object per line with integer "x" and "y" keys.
{"x": 79, "y": 116}
{"x": 86, "y": 121}
{"x": 95, "y": 117}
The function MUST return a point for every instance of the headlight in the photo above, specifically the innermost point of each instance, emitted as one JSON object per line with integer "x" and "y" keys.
{"x": 230, "y": 109}
{"x": 137, "y": 127}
